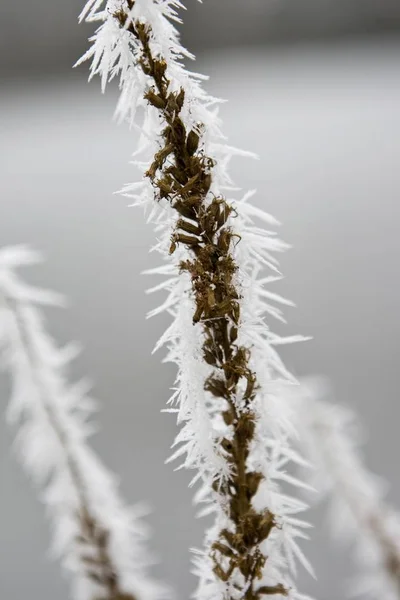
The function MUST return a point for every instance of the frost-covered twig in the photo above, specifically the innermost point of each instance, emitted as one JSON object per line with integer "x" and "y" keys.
{"x": 357, "y": 497}
{"x": 99, "y": 539}
{"x": 235, "y": 426}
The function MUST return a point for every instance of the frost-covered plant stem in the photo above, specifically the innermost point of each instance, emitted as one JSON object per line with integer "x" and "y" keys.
{"x": 201, "y": 228}
{"x": 97, "y": 536}
{"x": 234, "y": 432}
{"x": 100, "y": 566}
{"x": 330, "y": 436}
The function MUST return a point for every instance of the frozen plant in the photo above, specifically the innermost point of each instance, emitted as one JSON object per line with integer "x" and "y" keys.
{"x": 99, "y": 539}
{"x": 330, "y": 437}
{"x": 219, "y": 260}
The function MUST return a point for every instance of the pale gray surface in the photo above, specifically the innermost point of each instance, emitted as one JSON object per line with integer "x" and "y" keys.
{"x": 326, "y": 123}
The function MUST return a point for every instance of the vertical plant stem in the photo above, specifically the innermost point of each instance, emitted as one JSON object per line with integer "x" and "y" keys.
{"x": 182, "y": 174}
{"x": 93, "y": 538}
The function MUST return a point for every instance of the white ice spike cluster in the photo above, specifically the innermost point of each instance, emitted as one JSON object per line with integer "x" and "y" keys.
{"x": 99, "y": 540}
{"x": 359, "y": 514}
{"x": 115, "y": 52}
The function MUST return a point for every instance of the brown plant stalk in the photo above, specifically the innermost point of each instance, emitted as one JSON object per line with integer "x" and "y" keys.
{"x": 182, "y": 174}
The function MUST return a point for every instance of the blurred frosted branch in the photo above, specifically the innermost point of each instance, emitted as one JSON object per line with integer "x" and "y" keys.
{"x": 358, "y": 510}
{"x": 98, "y": 538}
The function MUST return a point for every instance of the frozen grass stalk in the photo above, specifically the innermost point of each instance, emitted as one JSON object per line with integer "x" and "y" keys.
{"x": 98, "y": 538}
{"x": 236, "y": 427}
{"x": 330, "y": 436}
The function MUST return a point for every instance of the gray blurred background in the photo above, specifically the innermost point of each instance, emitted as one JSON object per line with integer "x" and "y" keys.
{"x": 323, "y": 111}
